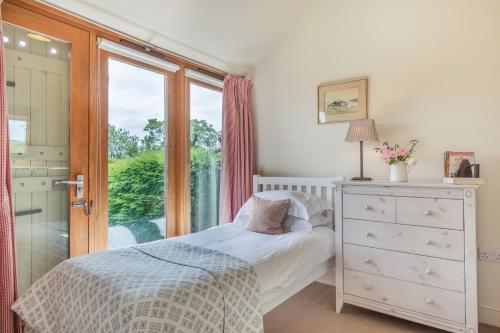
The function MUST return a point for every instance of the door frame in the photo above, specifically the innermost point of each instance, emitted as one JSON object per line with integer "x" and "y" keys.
{"x": 78, "y": 221}
{"x": 171, "y": 182}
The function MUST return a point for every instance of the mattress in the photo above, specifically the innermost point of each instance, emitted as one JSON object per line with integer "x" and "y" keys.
{"x": 278, "y": 260}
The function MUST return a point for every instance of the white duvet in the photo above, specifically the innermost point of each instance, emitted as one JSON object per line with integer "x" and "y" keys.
{"x": 277, "y": 259}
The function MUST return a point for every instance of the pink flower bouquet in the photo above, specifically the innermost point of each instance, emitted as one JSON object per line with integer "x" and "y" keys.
{"x": 393, "y": 155}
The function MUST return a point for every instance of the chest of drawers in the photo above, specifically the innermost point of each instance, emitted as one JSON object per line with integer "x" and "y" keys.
{"x": 408, "y": 250}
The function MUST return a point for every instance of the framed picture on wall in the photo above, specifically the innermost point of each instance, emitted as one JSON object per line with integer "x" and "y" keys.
{"x": 342, "y": 100}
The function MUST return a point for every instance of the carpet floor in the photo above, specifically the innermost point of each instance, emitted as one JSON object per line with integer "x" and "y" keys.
{"x": 312, "y": 310}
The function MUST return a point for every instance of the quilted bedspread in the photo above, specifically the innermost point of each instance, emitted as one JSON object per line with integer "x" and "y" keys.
{"x": 164, "y": 286}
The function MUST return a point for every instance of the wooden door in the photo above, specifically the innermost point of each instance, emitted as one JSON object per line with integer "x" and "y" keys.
{"x": 47, "y": 65}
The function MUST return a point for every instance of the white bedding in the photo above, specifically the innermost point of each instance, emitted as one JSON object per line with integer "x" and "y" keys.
{"x": 277, "y": 259}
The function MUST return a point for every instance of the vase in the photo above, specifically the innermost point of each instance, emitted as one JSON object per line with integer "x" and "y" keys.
{"x": 399, "y": 172}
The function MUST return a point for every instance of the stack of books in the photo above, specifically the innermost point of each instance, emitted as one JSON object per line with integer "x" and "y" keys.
{"x": 452, "y": 161}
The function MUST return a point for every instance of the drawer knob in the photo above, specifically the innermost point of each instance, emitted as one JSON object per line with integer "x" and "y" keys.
{"x": 367, "y": 207}
{"x": 368, "y": 234}
{"x": 427, "y": 271}
{"x": 428, "y": 242}
{"x": 368, "y": 287}
{"x": 427, "y": 212}
{"x": 429, "y": 301}
{"x": 368, "y": 261}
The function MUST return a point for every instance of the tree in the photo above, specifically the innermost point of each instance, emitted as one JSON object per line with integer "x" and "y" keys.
{"x": 204, "y": 135}
{"x": 154, "y": 139}
{"x": 121, "y": 143}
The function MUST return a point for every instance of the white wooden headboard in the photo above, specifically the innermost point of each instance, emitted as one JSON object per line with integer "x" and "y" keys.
{"x": 322, "y": 187}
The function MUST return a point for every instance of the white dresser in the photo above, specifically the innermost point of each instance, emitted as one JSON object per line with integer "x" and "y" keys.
{"x": 408, "y": 250}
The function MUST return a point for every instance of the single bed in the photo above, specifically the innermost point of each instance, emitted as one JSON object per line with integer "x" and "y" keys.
{"x": 211, "y": 277}
{"x": 286, "y": 263}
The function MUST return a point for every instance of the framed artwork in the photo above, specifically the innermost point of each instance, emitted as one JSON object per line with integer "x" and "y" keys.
{"x": 342, "y": 100}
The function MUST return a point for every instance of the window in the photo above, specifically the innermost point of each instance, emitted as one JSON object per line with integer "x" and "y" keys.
{"x": 136, "y": 155}
{"x": 205, "y": 107}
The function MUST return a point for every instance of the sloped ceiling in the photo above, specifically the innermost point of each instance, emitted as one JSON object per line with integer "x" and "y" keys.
{"x": 227, "y": 34}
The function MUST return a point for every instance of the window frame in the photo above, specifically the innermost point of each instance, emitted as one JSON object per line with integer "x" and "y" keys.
{"x": 186, "y": 217}
{"x": 103, "y": 121}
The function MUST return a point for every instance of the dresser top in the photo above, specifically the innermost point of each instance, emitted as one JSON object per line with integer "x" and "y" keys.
{"x": 421, "y": 184}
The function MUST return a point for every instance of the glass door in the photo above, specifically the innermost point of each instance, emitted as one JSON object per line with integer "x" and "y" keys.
{"x": 47, "y": 73}
{"x": 134, "y": 170}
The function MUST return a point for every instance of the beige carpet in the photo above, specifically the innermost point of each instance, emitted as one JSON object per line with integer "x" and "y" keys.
{"x": 313, "y": 311}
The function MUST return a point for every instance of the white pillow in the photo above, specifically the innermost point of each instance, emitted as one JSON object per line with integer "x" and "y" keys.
{"x": 319, "y": 219}
{"x": 302, "y": 205}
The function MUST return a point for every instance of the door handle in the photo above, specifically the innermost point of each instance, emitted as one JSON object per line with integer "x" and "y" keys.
{"x": 87, "y": 208}
{"x": 79, "y": 182}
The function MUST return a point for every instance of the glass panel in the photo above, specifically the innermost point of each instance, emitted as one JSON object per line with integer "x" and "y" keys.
{"x": 38, "y": 87}
{"x": 136, "y": 155}
{"x": 205, "y": 149}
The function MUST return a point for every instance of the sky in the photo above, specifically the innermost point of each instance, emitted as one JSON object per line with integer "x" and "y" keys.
{"x": 137, "y": 94}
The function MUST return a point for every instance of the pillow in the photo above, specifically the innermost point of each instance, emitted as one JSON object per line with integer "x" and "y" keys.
{"x": 267, "y": 216}
{"x": 319, "y": 219}
{"x": 294, "y": 224}
{"x": 302, "y": 205}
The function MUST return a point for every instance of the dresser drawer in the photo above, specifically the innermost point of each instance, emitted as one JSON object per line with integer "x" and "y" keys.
{"x": 442, "y": 273}
{"x": 432, "y": 301}
{"x": 432, "y": 242}
{"x": 370, "y": 207}
{"x": 430, "y": 212}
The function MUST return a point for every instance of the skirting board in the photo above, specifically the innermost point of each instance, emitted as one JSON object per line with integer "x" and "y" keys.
{"x": 489, "y": 315}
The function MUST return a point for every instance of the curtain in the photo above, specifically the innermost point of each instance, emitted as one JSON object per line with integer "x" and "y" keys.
{"x": 237, "y": 147}
{"x": 9, "y": 323}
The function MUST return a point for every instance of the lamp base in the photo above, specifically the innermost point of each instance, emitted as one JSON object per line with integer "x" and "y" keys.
{"x": 361, "y": 178}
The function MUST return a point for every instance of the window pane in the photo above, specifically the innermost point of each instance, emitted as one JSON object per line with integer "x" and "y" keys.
{"x": 136, "y": 154}
{"x": 205, "y": 149}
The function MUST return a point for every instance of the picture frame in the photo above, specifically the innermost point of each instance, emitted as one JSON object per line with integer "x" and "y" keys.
{"x": 343, "y": 100}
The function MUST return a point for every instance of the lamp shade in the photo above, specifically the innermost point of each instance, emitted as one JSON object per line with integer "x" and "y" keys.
{"x": 362, "y": 130}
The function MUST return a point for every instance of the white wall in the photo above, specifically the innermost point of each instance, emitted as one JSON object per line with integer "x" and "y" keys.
{"x": 434, "y": 75}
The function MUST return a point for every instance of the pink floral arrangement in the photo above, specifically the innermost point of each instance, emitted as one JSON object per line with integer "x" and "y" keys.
{"x": 397, "y": 153}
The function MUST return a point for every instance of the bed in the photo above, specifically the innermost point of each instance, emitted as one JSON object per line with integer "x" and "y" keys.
{"x": 218, "y": 280}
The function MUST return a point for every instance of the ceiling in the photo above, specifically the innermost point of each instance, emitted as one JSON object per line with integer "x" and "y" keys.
{"x": 226, "y": 34}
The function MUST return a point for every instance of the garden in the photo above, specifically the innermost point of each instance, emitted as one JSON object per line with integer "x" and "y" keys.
{"x": 136, "y": 175}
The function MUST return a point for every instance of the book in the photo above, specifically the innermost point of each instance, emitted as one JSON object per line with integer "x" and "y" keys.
{"x": 463, "y": 181}
{"x": 452, "y": 162}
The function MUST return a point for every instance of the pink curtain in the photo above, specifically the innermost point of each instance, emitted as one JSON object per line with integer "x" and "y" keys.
{"x": 237, "y": 147}
{"x": 8, "y": 284}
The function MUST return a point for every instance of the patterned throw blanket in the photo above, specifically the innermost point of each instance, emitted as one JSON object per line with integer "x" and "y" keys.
{"x": 164, "y": 286}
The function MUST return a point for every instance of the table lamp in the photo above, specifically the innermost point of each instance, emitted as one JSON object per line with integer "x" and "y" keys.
{"x": 359, "y": 131}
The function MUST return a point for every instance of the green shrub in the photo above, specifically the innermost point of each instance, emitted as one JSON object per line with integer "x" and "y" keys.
{"x": 205, "y": 188}
{"x": 136, "y": 178}
{"x": 136, "y": 188}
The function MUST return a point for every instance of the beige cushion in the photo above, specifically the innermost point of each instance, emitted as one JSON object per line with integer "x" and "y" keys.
{"x": 267, "y": 217}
